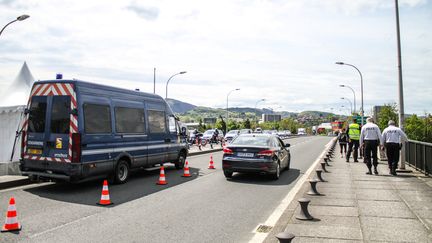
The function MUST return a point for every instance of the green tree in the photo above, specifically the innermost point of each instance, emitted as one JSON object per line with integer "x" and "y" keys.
{"x": 246, "y": 124}
{"x": 414, "y": 128}
{"x": 387, "y": 113}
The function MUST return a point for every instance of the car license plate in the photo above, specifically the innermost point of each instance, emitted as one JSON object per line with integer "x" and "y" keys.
{"x": 249, "y": 155}
{"x": 34, "y": 151}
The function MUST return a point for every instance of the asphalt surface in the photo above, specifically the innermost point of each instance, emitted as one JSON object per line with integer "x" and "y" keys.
{"x": 203, "y": 208}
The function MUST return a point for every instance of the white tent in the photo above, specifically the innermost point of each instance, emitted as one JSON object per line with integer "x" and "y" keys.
{"x": 12, "y": 102}
{"x": 17, "y": 92}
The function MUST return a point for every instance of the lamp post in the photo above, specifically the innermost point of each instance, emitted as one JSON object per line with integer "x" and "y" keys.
{"x": 227, "y": 116}
{"x": 361, "y": 82}
{"x": 346, "y": 86}
{"x": 400, "y": 86}
{"x": 166, "y": 89}
{"x": 256, "y": 104}
{"x": 19, "y": 18}
{"x": 344, "y": 98}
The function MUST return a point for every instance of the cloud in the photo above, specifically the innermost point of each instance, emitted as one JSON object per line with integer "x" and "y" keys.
{"x": 148, "y": 13}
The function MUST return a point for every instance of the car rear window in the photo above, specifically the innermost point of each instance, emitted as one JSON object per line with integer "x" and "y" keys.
{"x": 251, "y": 140}
{"x": 37, "y": 114}
{"x": 60, "y": 114}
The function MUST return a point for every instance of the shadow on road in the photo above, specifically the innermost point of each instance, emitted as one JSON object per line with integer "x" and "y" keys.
{"x": 140, "y": 184}
{"x": 286, "y": 177}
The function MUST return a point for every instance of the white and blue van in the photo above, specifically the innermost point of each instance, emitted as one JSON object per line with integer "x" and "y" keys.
{"x": 75, "y": 131}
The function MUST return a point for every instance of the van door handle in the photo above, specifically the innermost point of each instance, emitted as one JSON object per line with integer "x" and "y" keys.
{"x": 167, "y": 140}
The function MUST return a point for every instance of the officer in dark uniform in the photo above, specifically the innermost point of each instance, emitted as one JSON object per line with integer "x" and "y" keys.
{"x": 392, "y": 139}
{"x": 370, "y": 138}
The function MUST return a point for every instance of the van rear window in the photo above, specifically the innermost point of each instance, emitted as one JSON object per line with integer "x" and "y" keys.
{"x": 97, "y": 118}
{"x": 60, "y": 114}
{"x": 129, "y": 120}
{"x": 37, "y": 114}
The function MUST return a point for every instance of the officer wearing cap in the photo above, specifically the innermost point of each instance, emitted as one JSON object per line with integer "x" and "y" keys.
{"x": 353, "y": 140}
{"x": 392, "y": 139}
{"x": 370, "y": 138}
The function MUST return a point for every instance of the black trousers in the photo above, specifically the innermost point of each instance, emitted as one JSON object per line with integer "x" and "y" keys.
{"x": 351, "y": 144}
{"x": 370, "y": 153}
{"x": 343, "y": 147}
{"x": 392, "y": 152}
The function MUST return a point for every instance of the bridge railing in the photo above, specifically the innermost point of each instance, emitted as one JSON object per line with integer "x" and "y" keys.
{"x": 419, "y": 155}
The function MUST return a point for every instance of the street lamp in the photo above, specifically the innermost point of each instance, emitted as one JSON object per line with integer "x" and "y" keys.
{"x": 256, "y": 108}
{"x": 344, "y": 98}
{"x": 346, "y": 86}
{"x": 227, "y": 102}
{"x": 166, "y": 89}
{"x": 20, "y": 18}
{"x": 361, "y": 81}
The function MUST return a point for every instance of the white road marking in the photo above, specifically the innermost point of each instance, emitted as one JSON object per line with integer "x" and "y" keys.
{"x": 277, "y": 213}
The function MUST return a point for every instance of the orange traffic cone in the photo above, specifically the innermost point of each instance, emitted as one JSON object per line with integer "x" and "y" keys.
{"x": 11, "y": 223}
{"x": 105, "y": 198}
{"x": 162, "y": 180}
{"x": 211, "y": 165}
{"x": 186, "y": 172}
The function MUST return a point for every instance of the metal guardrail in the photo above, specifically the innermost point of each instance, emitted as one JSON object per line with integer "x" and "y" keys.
{"x": 419, "y": 155}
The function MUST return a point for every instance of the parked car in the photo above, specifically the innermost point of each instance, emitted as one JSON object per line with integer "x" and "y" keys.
{"x": 209, "y": 134}
{"x": 75, "y": 130}
{"x": 258, "y": 130}
{"x": 245, "y": 131}
{"x": 257, "y": 153}
{"x": 230, "y": 135}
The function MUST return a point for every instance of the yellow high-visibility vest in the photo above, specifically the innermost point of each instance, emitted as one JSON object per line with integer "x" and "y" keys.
{"x": 354, "y": 131}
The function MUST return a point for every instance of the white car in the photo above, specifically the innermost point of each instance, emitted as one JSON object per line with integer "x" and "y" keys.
{"x": 231, "y": 134}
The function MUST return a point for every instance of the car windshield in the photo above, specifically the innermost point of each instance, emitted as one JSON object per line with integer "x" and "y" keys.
{"x": 209, "y": 132}
{"x": 252, "y": 140}
{"x": 233, "y": 132}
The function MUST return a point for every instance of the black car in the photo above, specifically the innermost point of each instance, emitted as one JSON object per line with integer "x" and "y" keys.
{"x": 258, "y": 153}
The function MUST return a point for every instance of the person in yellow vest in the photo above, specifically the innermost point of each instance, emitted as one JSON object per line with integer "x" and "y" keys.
{"x": 353, "y": 140}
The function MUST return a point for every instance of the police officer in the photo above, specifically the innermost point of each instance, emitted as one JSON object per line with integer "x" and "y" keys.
{"x": 353, "y": 140}
{"x": 392, "y": 138}
{"x": 370, "y": 138}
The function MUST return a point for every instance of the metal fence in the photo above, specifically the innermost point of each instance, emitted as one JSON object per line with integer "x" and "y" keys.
{"x": 419, "y": 155}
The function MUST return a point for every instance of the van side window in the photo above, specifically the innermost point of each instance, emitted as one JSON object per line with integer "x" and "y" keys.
{"x": 97, "y": 118}
{"x": 157, "y": 121}
{"x": 172, "y": 124}
{"x": 60, "y": 114}
{"x": 129, "y": 120}
{"x": 37, "y": 114}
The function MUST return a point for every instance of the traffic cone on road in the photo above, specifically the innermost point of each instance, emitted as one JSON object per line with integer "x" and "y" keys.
{"x": 162, "y": 180}
{"x": 105, "y": 198}
{"x": 11, "y": 223}
{"x": 186, "y": 172}
{"x": 211, "y": 165}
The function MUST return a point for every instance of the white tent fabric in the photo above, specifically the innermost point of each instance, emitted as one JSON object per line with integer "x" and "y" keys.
{"x": 12, "y": 102}
{"x": 9, "y": 120}
{"x": 18, "y": 91}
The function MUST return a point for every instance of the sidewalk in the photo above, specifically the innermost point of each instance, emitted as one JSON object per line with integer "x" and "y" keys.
{"x": 8, "y": 181}
{"x": 357, "y": 207}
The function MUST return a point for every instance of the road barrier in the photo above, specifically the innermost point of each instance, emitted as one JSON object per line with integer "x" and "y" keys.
{"x": 419, "y": 155}
{"x": 313, "y": 191}
{"x": 304, "y": 213}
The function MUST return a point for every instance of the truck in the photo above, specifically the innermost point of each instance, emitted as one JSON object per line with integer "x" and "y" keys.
{"x": 76, "y": 131}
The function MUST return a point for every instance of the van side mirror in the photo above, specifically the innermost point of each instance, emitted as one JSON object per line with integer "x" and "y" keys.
{"x": 74, "y": 112}
{"x": 26, "y": 111}
{"x": 287, "y": 145}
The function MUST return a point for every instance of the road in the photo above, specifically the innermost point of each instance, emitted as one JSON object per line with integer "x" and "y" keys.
{"x": 203, "y": 208}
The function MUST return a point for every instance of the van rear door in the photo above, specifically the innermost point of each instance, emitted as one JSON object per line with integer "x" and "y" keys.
{"x": 49, "y": 127}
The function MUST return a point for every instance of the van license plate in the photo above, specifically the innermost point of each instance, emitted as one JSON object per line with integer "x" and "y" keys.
{"x": 34, "y": 151}
{"x": 249, "y": 155}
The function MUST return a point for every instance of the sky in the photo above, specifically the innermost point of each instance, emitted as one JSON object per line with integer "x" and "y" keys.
{"x": 283, "y": 51}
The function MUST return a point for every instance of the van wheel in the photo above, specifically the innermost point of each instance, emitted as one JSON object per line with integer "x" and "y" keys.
{"x": 122, "y": 172}
{"x": 179, "y": 164}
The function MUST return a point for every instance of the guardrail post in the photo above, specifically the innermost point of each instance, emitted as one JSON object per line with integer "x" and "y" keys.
{"x": 304, "y": 213}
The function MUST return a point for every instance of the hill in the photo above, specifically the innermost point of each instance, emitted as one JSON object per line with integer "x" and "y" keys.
{"x": 180, "y": 107}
